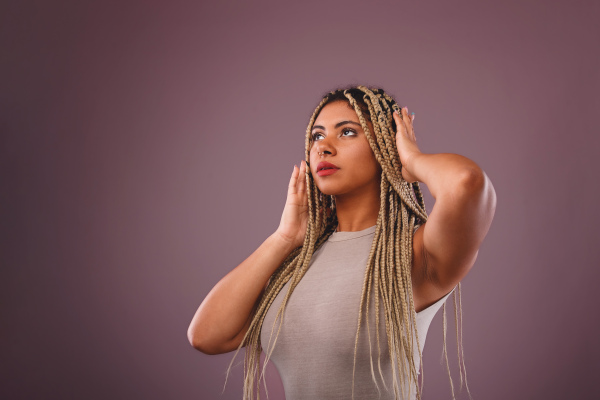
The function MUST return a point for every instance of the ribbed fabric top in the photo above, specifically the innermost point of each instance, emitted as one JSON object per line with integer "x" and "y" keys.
{"x": 314, "y": 352}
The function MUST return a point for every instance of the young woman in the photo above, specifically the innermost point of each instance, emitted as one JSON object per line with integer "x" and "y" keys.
{"x": 355, "y": 250}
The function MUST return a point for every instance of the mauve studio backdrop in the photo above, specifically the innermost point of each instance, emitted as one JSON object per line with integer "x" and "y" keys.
{"x": 146, "y": 150}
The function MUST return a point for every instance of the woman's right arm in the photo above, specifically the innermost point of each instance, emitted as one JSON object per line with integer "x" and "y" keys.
{"x": 224, "y": 316}
{"x": 221, "y": 321}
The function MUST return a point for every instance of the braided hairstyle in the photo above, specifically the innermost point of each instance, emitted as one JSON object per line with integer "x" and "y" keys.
{"x": 388, "y": 270}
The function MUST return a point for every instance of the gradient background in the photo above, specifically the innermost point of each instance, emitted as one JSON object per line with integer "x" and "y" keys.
{"x": 146, "y": 150}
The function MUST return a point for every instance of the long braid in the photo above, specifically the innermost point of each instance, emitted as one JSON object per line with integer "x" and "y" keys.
{"x": 381, "y": 129}
{"x": 388, "y": 270}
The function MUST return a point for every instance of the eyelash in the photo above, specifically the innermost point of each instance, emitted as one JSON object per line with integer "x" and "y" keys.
{"x": 345, "y": 130}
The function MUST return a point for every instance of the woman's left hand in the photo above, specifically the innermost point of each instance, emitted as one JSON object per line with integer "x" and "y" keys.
{"x": 406, "y": 142}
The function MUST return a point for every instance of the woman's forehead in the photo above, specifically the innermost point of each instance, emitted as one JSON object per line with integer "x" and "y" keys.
{"x": 337, "y": 111}
{"x": 333, "y": 111}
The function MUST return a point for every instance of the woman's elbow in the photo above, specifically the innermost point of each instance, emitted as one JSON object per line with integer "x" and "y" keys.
{"x": 203, "y": 345}
{"x": 196, "y": 341}
{"x": 473, "y": 180}
{"x": 477, "y": 184}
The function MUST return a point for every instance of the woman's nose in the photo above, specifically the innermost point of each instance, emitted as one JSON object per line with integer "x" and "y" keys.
{"x": 323, "y": 146}
{"x": 323, "y": 150}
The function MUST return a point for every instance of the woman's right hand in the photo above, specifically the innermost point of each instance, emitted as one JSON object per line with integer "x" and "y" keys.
{"x": 292, "y": 228}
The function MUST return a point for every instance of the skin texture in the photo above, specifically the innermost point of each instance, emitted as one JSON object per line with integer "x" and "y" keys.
{"x": 446, "y": 246}
{"x": 356, "y": 185}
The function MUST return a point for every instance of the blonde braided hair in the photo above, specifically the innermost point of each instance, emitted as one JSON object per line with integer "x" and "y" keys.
{"x": 390, "y": 257}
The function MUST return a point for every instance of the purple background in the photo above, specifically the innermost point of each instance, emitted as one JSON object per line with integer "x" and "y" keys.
{"x": 146, "y": 150}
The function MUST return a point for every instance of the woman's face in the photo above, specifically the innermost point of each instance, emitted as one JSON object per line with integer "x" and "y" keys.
{"x": 338, "y": 138}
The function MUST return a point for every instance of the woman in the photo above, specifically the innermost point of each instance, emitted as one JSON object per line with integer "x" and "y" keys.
{"x": 354, "y": 218}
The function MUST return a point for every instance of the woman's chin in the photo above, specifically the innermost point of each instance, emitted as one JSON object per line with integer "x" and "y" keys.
{"x": 328, "y": 192}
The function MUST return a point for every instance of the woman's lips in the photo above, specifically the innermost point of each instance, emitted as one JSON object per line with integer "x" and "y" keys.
{"x": 328, "y": 171}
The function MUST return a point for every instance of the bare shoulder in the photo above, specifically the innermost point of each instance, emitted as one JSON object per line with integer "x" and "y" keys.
{"x": 425, "y": 289}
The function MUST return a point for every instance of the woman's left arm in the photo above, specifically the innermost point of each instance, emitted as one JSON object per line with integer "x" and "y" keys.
{"x": 465, "y": 203}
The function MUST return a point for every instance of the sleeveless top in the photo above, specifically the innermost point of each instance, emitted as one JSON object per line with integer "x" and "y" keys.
{"x": 314, "y": 352}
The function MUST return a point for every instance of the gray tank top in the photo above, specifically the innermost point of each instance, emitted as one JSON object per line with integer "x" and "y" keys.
{"x": 314, "y": 352}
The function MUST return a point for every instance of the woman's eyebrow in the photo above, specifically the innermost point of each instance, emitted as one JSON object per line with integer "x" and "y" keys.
{"x": 336, "y": 125}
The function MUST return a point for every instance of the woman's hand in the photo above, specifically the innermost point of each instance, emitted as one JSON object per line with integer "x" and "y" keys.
{"x": 406, "y": 142}
{"x": 292, "y": 228}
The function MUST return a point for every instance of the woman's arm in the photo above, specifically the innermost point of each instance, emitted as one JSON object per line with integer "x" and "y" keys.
{"x": 224, "y": 316}
{"x": 465, "y": 203}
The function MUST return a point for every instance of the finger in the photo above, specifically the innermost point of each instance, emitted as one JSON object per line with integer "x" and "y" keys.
{"x": 293, "y": 181}
{"x": 398, "y": 114}
{"x": 409, "y": 125}
{"x": 402, "y": 125}
{"x": 301, "y": 177}
{"x": 399, "y": 122}
{"x": 412, "y": 115}
{"x": 406, "y": 117}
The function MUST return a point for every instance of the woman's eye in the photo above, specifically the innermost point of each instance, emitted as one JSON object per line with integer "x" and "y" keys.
{"x": 314, "y": 135}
